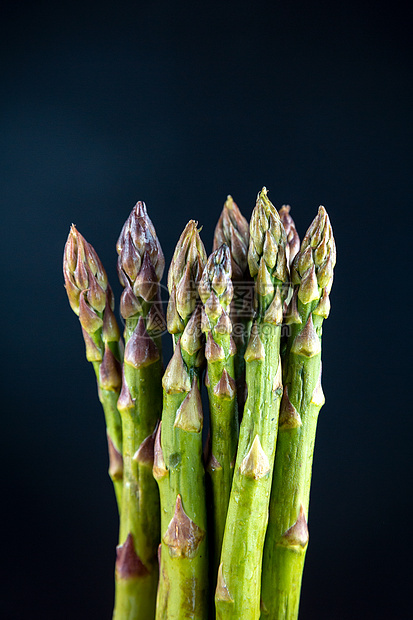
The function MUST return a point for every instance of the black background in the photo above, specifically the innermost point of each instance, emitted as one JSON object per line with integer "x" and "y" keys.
{"x": 179, "y": 104}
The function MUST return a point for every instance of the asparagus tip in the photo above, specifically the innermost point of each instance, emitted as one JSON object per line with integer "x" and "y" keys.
{"x": 318, "y": 250}
{"x": 267, "y": 240}
{"x": 233, "y": 229}
{"x": 184, "y": 273}
{"x": 83, "y": 272}
{"x": 140, "y": 261}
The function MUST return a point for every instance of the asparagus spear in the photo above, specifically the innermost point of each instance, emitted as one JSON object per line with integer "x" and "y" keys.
{"x": 216, "y": 290}
{"x": 287, "y": 533}
{"x": 91, "y": 298}
{"x": 140, "y": 268}
{"x": 178, "y": 466}
{"x": 238, "y": 589}
{"x": 233, "y": 229}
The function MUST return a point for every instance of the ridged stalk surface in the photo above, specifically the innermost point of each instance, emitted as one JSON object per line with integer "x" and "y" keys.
{"x": 91, "y": 298}
{"x": 178, "y": 466}
{"x": 287, "y": 534}
{"x": 216, "y": 291}
{"x": 239, "y": 576}
{"x": 140, "y": 268}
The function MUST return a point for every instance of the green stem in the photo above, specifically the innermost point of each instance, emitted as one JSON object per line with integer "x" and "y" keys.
{"x": 241, "y": 337}
{"x": 287, "y": 534}
{"x": 184, "y": 569}
{"x": 140, "y": 405}
{"x": 224, "y": 430}
{"x": 238, "y": 590}
{"x": 108, "y": 399}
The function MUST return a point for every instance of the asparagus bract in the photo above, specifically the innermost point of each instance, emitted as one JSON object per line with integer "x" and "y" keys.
{"x": 216, "y": 290}
{"x": 140, "y": 268}
{"x": 233, "y": 230}
{"x": 91, "y": 298}
{"x": 238, "y": 589}
{"x": 178, "y": 466}
{"x": 287, "y": 533}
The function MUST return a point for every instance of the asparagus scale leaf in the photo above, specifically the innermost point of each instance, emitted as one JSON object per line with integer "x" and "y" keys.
{"x": 239, "y": 576}
{"x": 287, "y": 534}
{"x": 140, "y": 268}
{"x": 91, "y": 299}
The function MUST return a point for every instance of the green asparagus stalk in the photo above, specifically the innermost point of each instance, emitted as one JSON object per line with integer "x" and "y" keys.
{"x": 216, "y": 290}
{"x": 178, "y": 466}
{"x": 233, "y": 230}
{"x": 140, "y": 268}
{"x": 91, "y": 298}
{"x": 287, "y": 533}
{"x": 239, "y": 576}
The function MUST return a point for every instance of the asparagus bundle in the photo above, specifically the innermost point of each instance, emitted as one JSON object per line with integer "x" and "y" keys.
{"x": 287, "y": 533}
{"x": 91, "y": 298}
{"x": 140, "y": 268}
{"x": 157, "y": 466}
{"x": 178, "y": 466}
{"x": 215, "y": 290}
{"x": 238, "y": 588}
{"x": 233, "y": 230}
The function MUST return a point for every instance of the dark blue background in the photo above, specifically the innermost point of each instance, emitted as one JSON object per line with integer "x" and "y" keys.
{"x": 179, "y": 104}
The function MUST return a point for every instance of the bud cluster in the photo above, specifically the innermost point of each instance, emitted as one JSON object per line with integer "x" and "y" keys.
{"x": 313, "y": 266}
{"x": 184, "y": 275}
{"x": 91, "y": 298}
{"x": 215, "y": 288}
{"x": 267, "y": 248}
{"x": 85, "y": 277}
{"x": 140, "y": 262}
{"x": 233, "y": 230}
